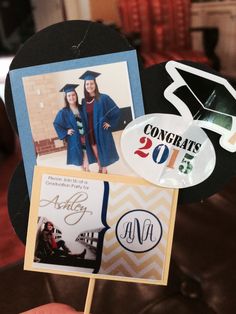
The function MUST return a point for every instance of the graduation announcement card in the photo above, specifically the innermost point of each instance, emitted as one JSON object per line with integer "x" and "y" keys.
{"x": 118, "y": 228}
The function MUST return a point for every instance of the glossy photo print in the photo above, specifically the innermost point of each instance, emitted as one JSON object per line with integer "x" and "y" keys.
{"x": 71, "y": 114}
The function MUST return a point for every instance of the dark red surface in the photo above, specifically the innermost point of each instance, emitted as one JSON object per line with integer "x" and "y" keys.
{"x": 164, "y": 28}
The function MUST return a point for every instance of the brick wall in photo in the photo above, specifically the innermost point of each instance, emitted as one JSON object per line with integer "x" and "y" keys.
{"x": 43, "y": 101}
{"x": 49, "y": 146}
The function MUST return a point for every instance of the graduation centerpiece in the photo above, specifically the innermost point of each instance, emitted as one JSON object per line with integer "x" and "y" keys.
{"x": 103, "y": 177}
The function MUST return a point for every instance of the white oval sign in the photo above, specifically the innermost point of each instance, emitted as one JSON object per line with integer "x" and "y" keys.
{"x": 168, "y": 150}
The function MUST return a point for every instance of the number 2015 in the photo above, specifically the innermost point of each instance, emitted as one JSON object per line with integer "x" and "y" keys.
{"x": 161, "y": 153}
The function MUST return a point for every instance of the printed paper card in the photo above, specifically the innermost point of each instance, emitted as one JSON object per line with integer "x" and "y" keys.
{"x": 87, "y": 224}
{"x": 71, "y": 114}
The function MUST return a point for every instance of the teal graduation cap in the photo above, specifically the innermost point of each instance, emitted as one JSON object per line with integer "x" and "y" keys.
{"x": 69, "y": 88}
{"x": 89, "y": 75}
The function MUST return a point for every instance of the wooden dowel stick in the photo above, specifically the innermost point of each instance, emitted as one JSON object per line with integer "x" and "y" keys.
{"x": 89, "y": 297}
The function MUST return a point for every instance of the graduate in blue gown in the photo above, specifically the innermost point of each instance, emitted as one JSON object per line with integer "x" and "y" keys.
{"x": 70, "y": 127}
{"x": 101, "y": 116}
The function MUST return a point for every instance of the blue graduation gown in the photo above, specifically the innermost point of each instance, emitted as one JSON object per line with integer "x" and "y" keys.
{"x": 104, "y": 110}
{"x": 65, "y": 120}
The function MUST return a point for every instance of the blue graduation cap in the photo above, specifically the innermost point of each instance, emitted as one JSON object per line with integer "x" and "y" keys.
{"x": 89, "y": 75}
{"x": 69, "y": 88}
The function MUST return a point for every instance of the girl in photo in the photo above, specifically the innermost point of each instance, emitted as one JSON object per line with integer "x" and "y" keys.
{"x": 48, "y": 246}
{"x": 70, "y": 127}
{"x": 101, "y": 114}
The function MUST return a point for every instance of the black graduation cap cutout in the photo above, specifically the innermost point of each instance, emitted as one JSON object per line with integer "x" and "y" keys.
{"x": 69, "y": 88}
{"x": 213, "y": 100}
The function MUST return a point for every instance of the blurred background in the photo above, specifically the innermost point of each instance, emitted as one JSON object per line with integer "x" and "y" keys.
{"x": 197, "y": 29}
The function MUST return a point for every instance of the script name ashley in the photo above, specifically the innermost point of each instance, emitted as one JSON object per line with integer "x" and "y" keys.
{"x": 74, "y": 204}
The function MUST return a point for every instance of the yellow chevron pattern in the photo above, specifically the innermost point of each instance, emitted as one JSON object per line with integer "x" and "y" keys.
{"x": 118, "y": 261}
